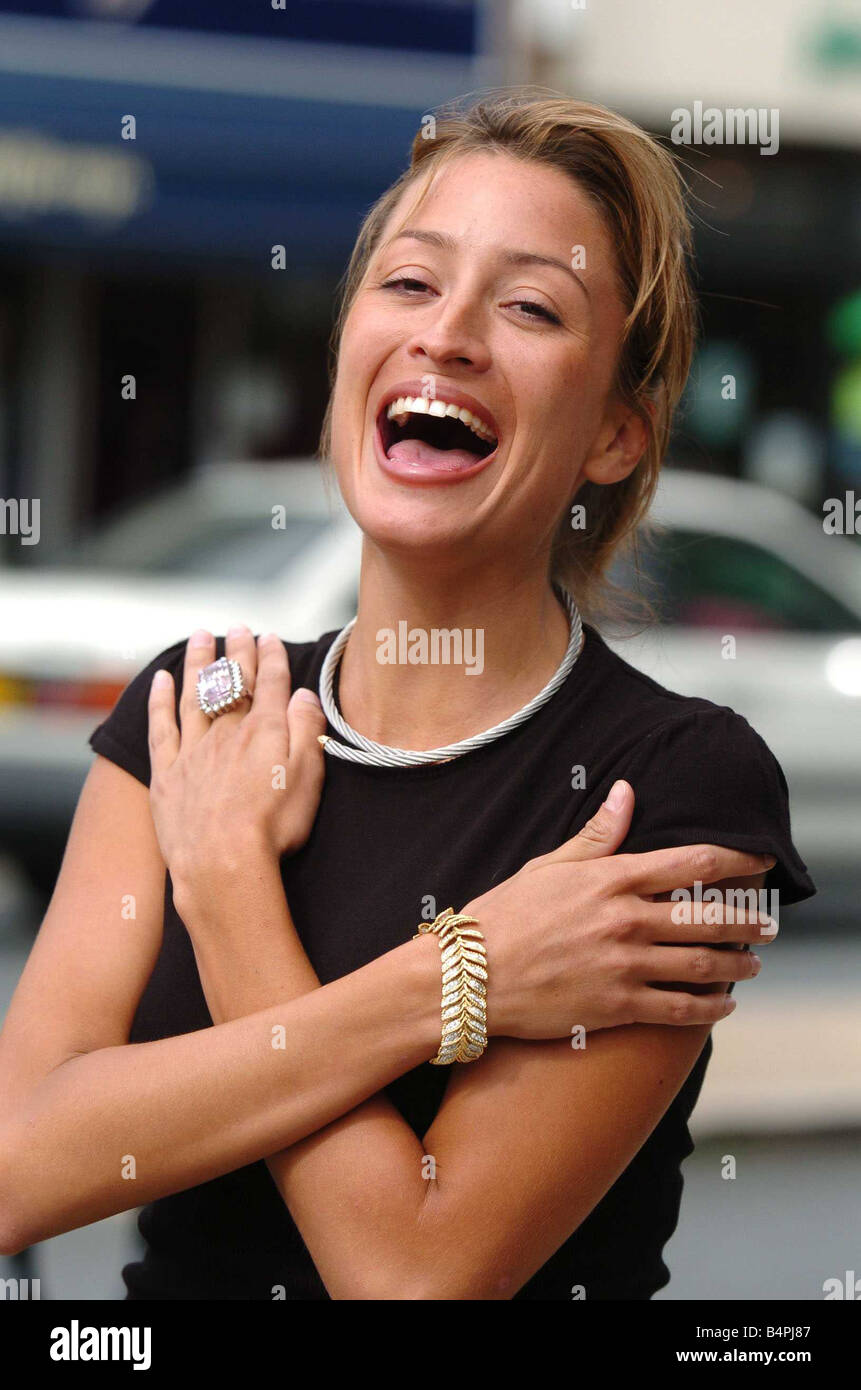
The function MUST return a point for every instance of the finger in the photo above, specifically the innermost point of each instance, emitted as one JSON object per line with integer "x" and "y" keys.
{"x": 163, "y": 733}
{"x": 306, "y": 721}
{"x": 679, "y": 1009}
{"x": 272, "y": 690}
{"x": 239, "y": 645}
{"x": 660, "y": 870}
{"x": 708, "y": 922}
{"x": 701, "y": 965}
{"x": 604, "y": 833}
{"x": 199, "y": 652}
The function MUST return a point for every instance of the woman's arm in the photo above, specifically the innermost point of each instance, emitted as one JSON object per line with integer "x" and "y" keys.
{"x": 90, "y": 1125}
{"x": 525, "y": 1144}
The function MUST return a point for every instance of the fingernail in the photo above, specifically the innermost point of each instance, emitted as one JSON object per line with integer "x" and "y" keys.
{"x": 200, "y": 637}
{"x": 160, "y": 679}
{"x": 729, "y": 1005}
{"x": 616, "y": 796}
{"x": 757, "y": 963}
{"x": 269, "y": 637}
{"x": 237, "y": 630}
{"x": 768, "y": 861}
{"x": 306, "y": 697}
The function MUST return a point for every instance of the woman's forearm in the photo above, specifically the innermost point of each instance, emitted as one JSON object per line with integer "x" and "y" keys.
{"x": 358, "y": 1189}
{"x": 115, "y": 1128}
{"x": 246, "y": 949}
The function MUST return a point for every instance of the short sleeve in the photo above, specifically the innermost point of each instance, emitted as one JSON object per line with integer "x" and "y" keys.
{"x": 124, "y": 735}
{"x": 708, "y": 777}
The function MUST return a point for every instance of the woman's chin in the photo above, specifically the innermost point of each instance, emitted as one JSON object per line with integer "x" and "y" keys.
{"x": 419, "y": 517}
{"x": 401, "y": 531}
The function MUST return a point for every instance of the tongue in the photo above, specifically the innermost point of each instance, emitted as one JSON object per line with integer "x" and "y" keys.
{"x": 417, "y": 452}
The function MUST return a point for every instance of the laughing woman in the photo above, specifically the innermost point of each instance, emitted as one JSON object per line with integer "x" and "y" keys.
{"x": 257, "y": 1037}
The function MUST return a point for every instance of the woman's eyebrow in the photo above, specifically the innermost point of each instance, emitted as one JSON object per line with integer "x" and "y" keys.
{"x": 445, "y": 242}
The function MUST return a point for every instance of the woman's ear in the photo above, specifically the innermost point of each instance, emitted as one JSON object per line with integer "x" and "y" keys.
{"x": 620, "y": 444}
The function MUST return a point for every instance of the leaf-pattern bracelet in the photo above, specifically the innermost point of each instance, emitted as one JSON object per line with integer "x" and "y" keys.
{"x": 464, "y": 987}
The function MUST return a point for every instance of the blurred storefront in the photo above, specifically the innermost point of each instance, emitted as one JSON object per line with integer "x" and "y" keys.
{"x": 778, "y": 229}
{"x": 155, "y": 153}
{"x": 180, "y": 188}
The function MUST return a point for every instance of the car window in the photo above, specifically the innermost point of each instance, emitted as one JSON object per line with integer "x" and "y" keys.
{"x": 702, "y": 580}
{"x": 240, "y": 550}
{"x": 227, "y": 548}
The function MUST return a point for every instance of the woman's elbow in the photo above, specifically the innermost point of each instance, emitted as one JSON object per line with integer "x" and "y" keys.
{"x": 474, "y": 1286}
{"x": 432, "y": 1278}
{"x": 381, "y": 1283}
{"x": 29, "y": 1211}
{"x": 12, "y": 1240}
{"x": 13, "y": 1236}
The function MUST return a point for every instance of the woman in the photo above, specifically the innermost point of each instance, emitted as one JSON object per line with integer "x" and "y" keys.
{"x": 515, "y": 333}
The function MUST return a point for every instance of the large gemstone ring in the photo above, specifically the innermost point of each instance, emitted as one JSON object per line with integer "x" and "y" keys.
{"x": 220, "y": 686}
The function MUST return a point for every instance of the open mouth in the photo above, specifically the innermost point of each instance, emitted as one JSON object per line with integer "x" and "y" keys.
{"x": 434, "y": 434}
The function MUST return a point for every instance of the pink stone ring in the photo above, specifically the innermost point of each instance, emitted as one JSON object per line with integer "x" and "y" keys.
{"x": 220, "y": 686}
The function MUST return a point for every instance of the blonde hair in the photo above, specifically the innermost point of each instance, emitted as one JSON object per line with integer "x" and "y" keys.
{"x": 635, "y": 184}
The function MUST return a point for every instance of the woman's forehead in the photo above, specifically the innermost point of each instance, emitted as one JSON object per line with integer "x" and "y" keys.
{"x": 501, "y": 200}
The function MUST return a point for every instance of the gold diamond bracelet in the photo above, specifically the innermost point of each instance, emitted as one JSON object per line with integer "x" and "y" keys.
{"x": 464, "y": 987}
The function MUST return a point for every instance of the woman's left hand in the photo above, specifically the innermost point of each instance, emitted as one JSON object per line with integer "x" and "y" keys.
{"x": 246, "y": 781}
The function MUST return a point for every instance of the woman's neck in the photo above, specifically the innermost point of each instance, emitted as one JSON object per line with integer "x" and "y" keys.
{"x": 431, "y": 662}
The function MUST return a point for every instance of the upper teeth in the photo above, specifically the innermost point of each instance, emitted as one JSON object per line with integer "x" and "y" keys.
{"x": 405, "y": 406}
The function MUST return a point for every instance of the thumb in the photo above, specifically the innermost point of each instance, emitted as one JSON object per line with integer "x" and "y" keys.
{"x": 604, "y": 833}
{"x": 305, "y": 722}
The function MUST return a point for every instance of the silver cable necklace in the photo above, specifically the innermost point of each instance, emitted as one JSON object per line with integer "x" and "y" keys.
{"x": 366, "y": 751}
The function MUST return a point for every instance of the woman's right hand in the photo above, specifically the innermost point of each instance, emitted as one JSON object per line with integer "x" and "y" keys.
{"x": 576, "y": 937}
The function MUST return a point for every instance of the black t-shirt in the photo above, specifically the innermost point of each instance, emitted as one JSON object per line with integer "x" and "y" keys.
{"x": 385, "y": 841}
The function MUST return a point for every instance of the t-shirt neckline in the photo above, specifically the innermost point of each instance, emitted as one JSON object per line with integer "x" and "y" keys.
{"x": 426, "y": 771}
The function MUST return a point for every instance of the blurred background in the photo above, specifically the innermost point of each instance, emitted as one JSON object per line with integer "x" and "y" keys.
{"x": 180, "y": 187}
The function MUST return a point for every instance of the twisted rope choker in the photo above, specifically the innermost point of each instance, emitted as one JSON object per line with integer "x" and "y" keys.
{"x": 365, "y": 750}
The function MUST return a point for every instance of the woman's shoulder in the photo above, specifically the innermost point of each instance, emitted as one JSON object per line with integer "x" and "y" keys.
{"x": 701, "y": 772}
{"x": 644, "y": 706}
{"x": 123, "y": 736}
{"x": 305, "y": 657}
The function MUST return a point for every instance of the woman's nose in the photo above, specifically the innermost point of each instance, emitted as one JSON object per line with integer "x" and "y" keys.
{"x": 453, "y": 333}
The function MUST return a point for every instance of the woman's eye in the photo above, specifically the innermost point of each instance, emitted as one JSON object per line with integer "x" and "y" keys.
{"x": 404, "y": 282}
{"x": 534, "y": 311}
{"x": 531, "y": 309}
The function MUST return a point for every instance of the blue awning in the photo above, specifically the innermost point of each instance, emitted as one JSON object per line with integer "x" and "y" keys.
{"x": 241, "y": 144}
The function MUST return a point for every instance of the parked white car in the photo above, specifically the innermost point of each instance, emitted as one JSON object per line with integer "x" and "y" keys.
{"x": 762, "y": 612}
{"x": 73, "y": 632}
{"x": 733, "y": 560}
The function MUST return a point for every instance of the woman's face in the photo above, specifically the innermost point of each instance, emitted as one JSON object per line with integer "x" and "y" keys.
{"x": 470, "y": 303}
